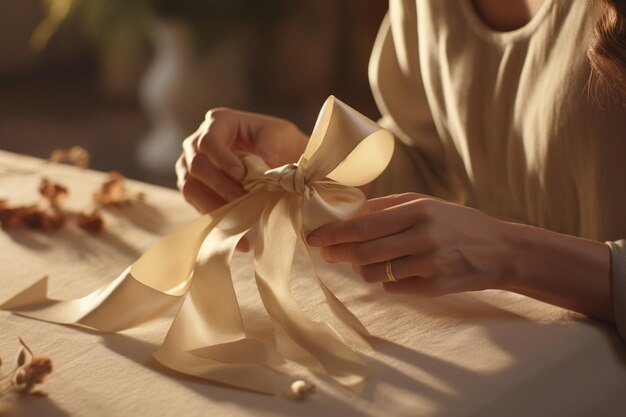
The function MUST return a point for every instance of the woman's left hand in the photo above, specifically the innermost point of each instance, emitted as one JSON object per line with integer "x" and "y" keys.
{"x": 435, "y": 247}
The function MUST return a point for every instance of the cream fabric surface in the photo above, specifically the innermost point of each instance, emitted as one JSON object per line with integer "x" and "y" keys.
{"x": 489, "y": 354}
{"x": 506, "y": 122}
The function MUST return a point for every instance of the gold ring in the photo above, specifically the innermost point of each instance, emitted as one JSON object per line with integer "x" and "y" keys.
{"x": 390, "y": 276}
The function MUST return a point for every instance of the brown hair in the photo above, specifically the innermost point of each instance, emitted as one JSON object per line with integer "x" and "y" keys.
{"x": 607, "y": 50}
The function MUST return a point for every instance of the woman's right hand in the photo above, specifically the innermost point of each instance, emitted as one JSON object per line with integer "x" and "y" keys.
{"x": 209, "y": 170}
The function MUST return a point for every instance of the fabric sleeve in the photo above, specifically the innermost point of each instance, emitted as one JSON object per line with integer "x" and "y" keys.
{"x": 618, "y": 283}
{"x": 419, "y": 161}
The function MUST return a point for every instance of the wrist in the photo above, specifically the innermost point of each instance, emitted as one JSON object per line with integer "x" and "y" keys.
{"x": 515, "y": 246}
{"x": 522, "y": 246}
{"x": 563, "y": 270}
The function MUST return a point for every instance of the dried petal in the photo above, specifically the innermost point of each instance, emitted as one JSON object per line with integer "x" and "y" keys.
{"x": 91, "y": 222}
{"x": 19, "y": 378}
{"x": 75, "y": 155}
{"x": 21, "y": 357}
{"x": 79, "y": 156}
{"x": 11, "y": 218}
{"x": 43, "y": 220}
{"x": 27, "y": 376}
{"x": 58, "y": 155}
{"x": 112, "y": 192}
{"x": 53, "y": 192}
{"x": 39, "y": 367}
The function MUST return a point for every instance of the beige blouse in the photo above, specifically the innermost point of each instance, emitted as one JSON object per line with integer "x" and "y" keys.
{"x": 506, "y": 122}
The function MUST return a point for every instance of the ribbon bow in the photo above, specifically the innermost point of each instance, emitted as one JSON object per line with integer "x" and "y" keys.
{"x": 192, "y": 264}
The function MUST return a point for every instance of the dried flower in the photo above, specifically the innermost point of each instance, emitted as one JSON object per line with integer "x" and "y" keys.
{"x": 35, "y": 373}
{"x": 112, "y": 191}
{"x": 44, "y": 220}
{"x": 31, "y": 370}
{"x": 31, "y": 216}
{"x": 52, "y": 216}
{"x": 11, "y": 218}
{"x": 54, "y": 193}
{"x": 75, "y": 155}
{"x": 91, "y": 222}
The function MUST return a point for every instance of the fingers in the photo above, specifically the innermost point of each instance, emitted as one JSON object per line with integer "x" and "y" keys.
{"x": 204, "y": 171}
{"x": 406, "y": 242}
{"x": 214, "y": 164}
{"x": 199, "y": 195}
{"x": 220, "y": 132}
{"x": 381, "y": 203}
{"x": 405, "y": 267}
{"x": 433, "y": 247}
{"x": 227, "y": 132}
{"x": 211, "y": 154}
{"x": 370, "y": 226}
{"x": 199, "y": 166}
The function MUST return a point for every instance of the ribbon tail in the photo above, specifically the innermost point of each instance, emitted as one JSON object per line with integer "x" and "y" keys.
{"x": 153, "y": 284}
{"x": 207, "y": 338}
{"x": 327, "y": 202}
{"x": 318, "y": 345}
{"x": 246, "y": 376}
{"x": 107, "y": 309}
{"x": 358, "y": 332}
{"x": 31, "y": 296}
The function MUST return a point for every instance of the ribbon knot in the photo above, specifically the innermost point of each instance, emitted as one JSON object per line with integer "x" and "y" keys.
{"x": 190, "y": 267}
{"x": 288, "y": 177}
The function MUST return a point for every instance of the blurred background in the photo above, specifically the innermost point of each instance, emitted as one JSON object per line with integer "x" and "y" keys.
{"x": 129, "y": 79}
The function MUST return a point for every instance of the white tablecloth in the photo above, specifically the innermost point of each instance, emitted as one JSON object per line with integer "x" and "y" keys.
{"x": 483, "y": 354}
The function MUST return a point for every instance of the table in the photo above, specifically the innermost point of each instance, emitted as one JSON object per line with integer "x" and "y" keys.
{"x": 489, "y": 353}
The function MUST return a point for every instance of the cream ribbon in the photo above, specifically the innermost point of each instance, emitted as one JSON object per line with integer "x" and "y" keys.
{"x": 191, "y": 265}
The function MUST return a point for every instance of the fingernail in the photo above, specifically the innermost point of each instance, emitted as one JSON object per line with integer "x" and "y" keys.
{"x": 237, "y": 173}
{"x": 315, "y": 240}
{"x": 326, "y": 256}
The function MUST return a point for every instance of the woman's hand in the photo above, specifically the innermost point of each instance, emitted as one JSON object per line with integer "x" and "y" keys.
{"x": 209, "y": 170}
{"x": 435, "y": 247}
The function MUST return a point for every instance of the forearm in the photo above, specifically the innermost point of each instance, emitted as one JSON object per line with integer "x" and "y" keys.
{"x": 562, "y": 270}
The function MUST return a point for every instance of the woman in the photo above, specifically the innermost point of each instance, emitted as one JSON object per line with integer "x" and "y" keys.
{"x": 510, "y": 156}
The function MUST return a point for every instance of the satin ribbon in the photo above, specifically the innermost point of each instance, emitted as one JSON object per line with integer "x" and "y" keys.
{"x": 191, "y": 267}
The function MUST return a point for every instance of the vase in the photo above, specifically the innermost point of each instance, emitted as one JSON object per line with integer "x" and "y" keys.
{"x": 182, "y": 83}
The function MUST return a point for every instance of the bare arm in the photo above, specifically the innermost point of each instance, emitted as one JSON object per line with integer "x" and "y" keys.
{"x": 563, "y": 270}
